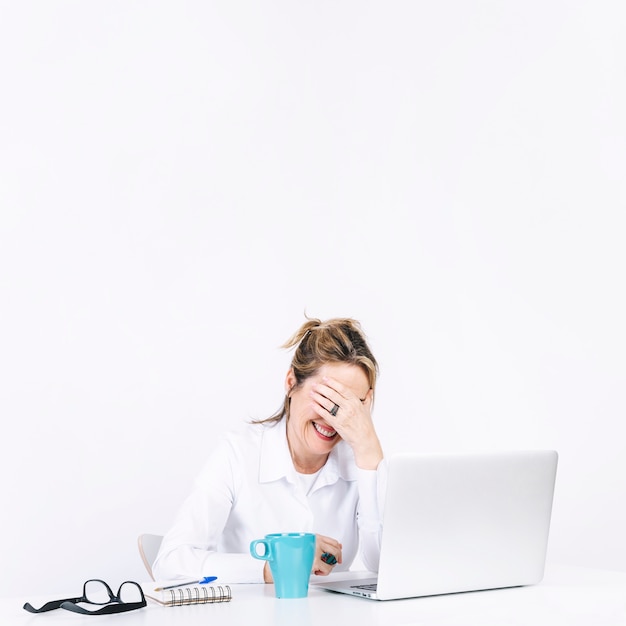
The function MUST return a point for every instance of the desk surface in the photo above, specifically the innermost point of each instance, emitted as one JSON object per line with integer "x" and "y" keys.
{"x": 567, "y": 596}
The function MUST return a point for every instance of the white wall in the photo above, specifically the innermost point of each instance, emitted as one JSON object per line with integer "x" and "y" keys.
{"x": 181, "y": 180}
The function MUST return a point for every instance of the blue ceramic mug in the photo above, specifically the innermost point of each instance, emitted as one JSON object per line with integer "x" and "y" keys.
{"x": 291, "y": 560}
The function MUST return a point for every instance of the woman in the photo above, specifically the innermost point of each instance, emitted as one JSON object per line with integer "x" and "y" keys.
{"x": 316, "y": 466}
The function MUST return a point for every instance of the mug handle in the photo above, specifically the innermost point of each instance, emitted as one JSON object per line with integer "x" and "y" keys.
{"x": 255, "y": 554}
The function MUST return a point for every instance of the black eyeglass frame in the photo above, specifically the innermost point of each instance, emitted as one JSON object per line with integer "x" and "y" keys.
{"x": 113, "y": 605}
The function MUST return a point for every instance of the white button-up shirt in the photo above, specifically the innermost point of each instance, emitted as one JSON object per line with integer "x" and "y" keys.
{"x": 250, "y": 488}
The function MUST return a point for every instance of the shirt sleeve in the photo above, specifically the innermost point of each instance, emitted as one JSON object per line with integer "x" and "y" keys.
{"x": 371, "y": 485}
{"x": 189, "y": 549}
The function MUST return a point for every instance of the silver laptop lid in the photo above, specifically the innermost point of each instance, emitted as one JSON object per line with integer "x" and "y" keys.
{"x": 464, "y": 522}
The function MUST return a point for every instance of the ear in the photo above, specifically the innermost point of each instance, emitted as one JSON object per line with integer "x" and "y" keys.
{"x": 290, "y": 381}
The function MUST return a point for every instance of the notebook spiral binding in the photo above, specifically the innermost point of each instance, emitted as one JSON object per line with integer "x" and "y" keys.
{"x": 199, "y": 595}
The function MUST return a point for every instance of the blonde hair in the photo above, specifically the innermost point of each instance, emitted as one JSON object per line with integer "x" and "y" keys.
{"x": 337, "y": 340}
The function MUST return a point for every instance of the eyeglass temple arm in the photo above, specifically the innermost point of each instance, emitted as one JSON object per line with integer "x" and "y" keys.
{"x": 109, "y": 609}
{"x": 49, "y": 606}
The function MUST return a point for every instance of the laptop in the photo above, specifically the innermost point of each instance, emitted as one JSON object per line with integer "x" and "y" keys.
{"x": 461, "y": 522}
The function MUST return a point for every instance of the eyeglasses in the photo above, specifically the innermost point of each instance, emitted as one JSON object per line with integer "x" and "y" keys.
{"x": 128, "y": 598}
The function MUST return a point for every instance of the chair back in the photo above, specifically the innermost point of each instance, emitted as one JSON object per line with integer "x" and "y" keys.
{"x": 148, "y": 549}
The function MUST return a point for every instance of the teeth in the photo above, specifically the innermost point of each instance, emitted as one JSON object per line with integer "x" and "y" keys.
{"x": 324, "y": 431}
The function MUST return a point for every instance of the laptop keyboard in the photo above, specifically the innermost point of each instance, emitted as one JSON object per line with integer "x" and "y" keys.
{"x": 371, "y": 587}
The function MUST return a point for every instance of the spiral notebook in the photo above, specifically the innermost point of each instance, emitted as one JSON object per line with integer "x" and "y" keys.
{"x": 182, "y": 596}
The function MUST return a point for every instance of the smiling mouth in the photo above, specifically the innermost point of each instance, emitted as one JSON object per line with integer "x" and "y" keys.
{"x": 328, "y": 433}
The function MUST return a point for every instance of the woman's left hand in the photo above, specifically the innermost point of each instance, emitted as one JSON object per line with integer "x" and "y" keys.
{"x": 352, "y": 420}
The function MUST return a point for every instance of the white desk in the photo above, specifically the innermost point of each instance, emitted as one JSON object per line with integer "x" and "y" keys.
{"x": 567, "y": 596}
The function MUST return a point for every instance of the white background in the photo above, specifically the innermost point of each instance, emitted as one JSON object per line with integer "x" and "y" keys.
{"x": 180, "y": 181}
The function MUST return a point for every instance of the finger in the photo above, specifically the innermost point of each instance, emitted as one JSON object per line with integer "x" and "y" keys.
{"x": 331, "y": 555}
{"x": 336, "y": 387}
{"x": 330, "y": 551}
{"x": 325, "y": 564}
{"x": 330, "y": 392}
{"x": 326, "y": 397}
{"x": 322, "y": 569}
{"x": 328, "y": 544}
{"x": 336, "y": 391}
{"x": 323, "y": 402}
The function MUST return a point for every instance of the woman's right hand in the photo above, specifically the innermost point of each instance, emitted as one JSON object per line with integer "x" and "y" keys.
{"x": 325, "y": 547}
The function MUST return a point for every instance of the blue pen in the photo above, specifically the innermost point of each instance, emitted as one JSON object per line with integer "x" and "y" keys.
{"x": 204, "y": 581}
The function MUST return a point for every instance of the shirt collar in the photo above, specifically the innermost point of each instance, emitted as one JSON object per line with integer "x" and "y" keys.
{"x": 276, "y": 460}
